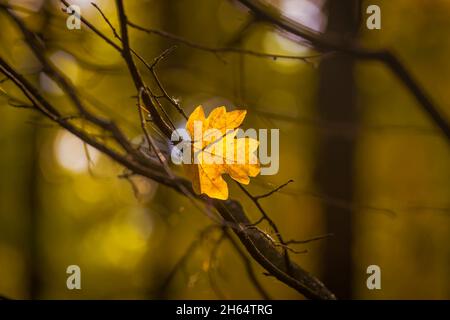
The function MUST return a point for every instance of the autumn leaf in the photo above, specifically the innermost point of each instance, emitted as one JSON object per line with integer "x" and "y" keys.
{"x": 216, "y": 150}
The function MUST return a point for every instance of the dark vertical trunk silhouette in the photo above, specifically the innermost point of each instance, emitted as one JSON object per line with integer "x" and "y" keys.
{"x": 336, "y": 103}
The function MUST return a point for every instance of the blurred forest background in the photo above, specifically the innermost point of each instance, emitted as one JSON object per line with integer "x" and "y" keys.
{"x": 367, "y": 163}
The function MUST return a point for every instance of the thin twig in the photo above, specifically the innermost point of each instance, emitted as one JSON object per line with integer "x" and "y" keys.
{"x": 325, "y": 236}
{"x": 150, "y": 67}
{"x": 217, "y": 50}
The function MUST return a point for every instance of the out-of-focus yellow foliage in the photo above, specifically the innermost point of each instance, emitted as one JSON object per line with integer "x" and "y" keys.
{"x": 216, "y": 151}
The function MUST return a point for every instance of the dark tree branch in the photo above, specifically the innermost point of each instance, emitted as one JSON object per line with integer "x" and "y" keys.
{"x": 268, "y": 256}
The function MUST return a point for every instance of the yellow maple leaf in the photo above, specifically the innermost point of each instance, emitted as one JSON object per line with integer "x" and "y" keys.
{"x": 215, "y": 150}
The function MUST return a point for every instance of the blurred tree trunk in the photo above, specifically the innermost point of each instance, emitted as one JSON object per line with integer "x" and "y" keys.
{"x": 336, "y": 103}
{"x": 35, "y": 245}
